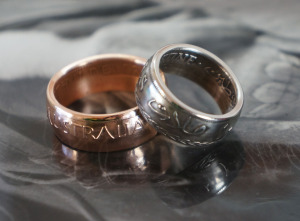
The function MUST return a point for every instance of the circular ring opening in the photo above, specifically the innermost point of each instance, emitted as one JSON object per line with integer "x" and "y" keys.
{"x": 203, "y": 68}
{"x": 102, "y": 73}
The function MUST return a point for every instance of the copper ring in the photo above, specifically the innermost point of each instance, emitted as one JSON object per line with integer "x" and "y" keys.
{"x": 97, "y": 132}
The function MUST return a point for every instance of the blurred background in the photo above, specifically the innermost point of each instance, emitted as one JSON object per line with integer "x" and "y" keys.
{"x": 40, "y": 178}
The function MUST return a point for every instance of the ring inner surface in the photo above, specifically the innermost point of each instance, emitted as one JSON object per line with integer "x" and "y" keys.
{"x": 205, "y": 72}
{"x": 105, "y": 74}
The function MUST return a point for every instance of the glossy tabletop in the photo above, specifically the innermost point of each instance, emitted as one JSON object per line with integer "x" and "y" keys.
{"x": 254, "y": 174}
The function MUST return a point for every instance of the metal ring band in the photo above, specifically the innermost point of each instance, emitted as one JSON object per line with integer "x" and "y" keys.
{"x": 172, "y": 117}
{"x": 97, "y": 132}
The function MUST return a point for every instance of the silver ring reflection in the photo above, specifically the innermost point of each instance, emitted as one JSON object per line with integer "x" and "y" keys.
{"x": 171, "y": 116}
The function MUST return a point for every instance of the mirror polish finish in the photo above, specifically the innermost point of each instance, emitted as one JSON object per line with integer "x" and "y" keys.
{"x": 172, "y": 117}
{"x": 258, "y": 39}
{"x": 96, "y": 132}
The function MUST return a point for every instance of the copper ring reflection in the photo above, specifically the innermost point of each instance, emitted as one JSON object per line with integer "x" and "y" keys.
{"x": 180, "y": 175}
{"x": 97, "y": 132}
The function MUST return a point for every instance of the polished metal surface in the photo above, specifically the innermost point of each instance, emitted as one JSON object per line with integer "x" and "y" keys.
{"x": 43, "y": 179}
{"x": 181, "y": 176}
{"x": 171, "y": 116}
{"x": 96, "y": 132}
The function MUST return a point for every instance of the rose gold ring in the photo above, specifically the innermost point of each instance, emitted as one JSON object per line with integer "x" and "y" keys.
{"x": 97, "y": 132}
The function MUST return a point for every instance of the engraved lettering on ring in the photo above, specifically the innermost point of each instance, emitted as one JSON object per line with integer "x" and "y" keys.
{"x": 122, "y": 130}
{"x": 227, "y": 127}
{"x": 49, "y": 116}
{"x": 198, "y": 130}
{"x": 221, "y": 82}
{"x": 159, "y": 109}
{"x": 192, "y": 59}
{"x": 175, "y": 115}
{"x": 54, "y": 120}
{"x": 102, "y": 130}
{"x": 66, "y": 126}
{"x": 138, "y": 125}
{"x": 185, "y": 57}
{"x": 142, "y": 81}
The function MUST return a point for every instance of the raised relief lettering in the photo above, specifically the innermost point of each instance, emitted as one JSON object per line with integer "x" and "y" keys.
{"x": 192, "y": 59}
{"x": 170, "y": 56}
{"x": 49, "y": 116}
{"x": 159, "y": 109}
{"x": 72, "y": 128}
{"x": 56, "y": 120}
{"x": 166, "y": 116}
{"x": 224, "y": 130}
{"x": 88, "y": 129}
{"x": 78, "y": 129}
{"x": 222, "y": 82}
{"x": 210, "y": 70}
{"x": 115, "y": 130}
{"x": 184, "y": 57}
{"x": 175, "y": 117}
{"x": 138, "y": 125}
{"x": 122, "y": 130}
{"x": 103, "y": 130}
{"x": 142, "y": 81}
{"x": 66, "y": 128}
{"x": 197, "y": 130}
{"x": 227, "y": 127}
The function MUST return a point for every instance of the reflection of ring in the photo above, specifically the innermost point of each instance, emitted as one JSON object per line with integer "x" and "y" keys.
{"x": 173, "y": 118}
{"x": 97, "y": 132}
{"x": 136, "y": 166}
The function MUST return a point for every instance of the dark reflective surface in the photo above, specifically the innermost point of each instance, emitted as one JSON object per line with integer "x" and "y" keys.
{"x": 181, "y": 175}
{"x": 259, "y": 39}
{"x": 209, "y": 176}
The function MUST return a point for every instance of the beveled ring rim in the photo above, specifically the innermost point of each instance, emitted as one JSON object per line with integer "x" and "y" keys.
{"x": 125, "y": 114}
{"x": 167, "y": 94}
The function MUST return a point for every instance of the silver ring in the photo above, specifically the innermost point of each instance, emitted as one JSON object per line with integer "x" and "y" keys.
{"x": 172, "y": 117}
